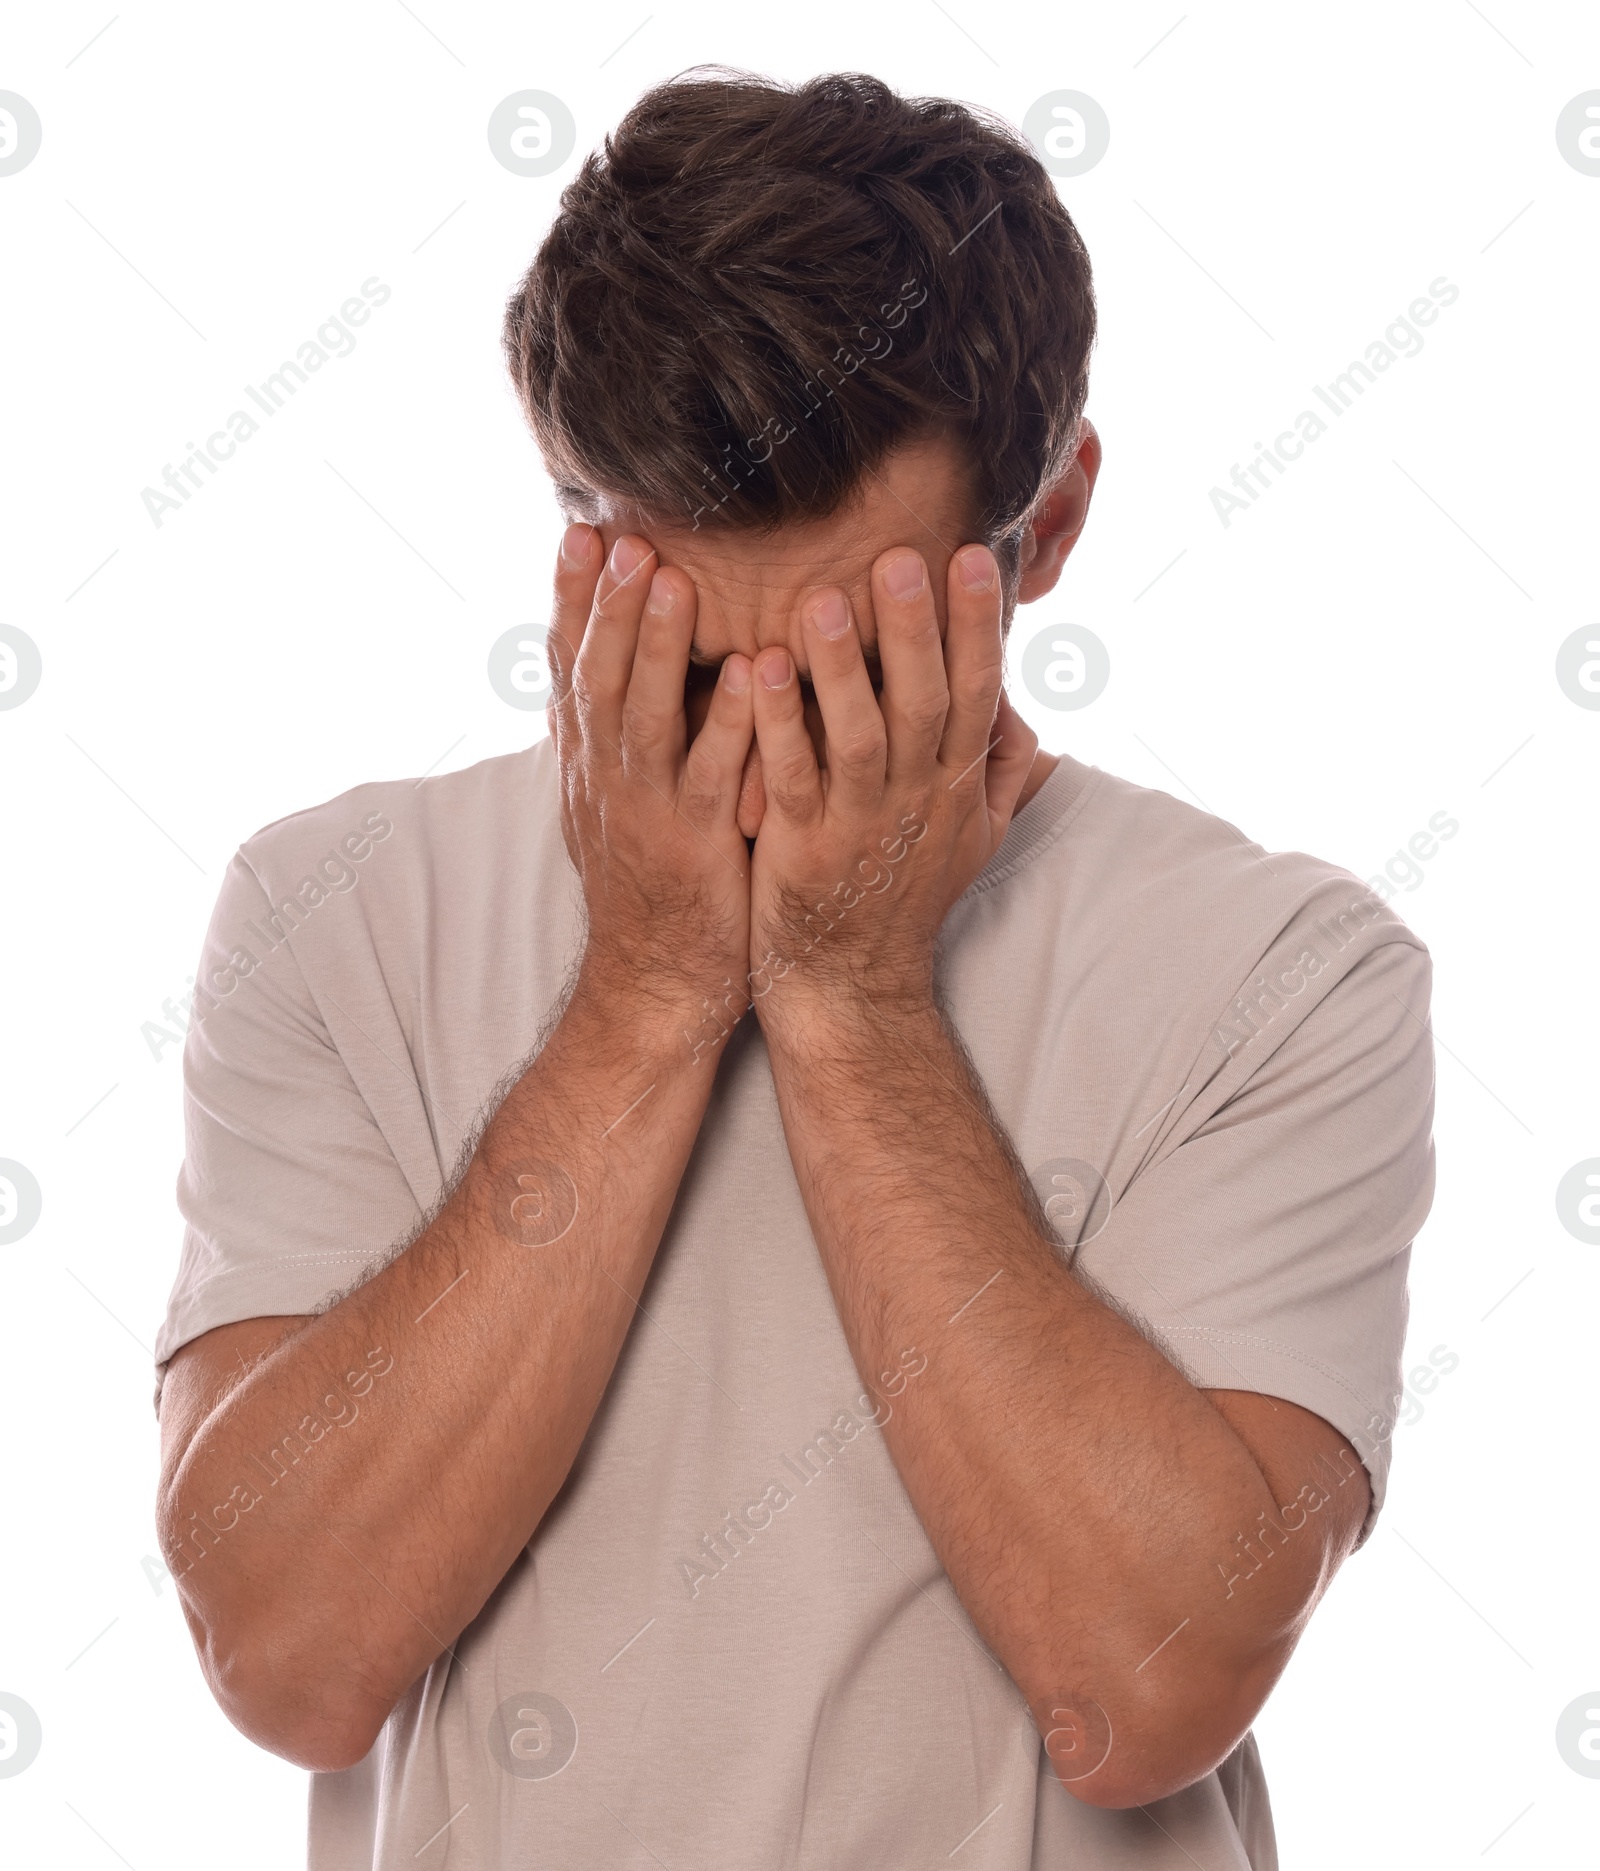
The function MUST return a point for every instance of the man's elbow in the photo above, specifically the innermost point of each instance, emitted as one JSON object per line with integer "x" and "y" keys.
{"x": 1141, "y": 1768}
{"x": 300, "y": 1711}
{"x": 1146, "y": 1748}
{"x": 1132, "y": 1782}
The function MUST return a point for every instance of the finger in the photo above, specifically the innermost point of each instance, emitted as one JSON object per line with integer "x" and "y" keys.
{"x": 974, "y": 662}
{"x": 788, "y": 763}
{"x": 916, "y": 693}
{"x": 855, "y": 740}
{"x": 654, "y": 731}
{"x": 752, "y": 794}
{"x": 1011, "y": 757}
{"x": 605, "y": 656}
{"x": 713, "y": 772}
{"x": 577, "y": 571}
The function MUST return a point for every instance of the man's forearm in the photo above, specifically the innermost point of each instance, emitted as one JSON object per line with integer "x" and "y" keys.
{"x": 1079, "y": 1491}
{"x": 347, "y": 1508}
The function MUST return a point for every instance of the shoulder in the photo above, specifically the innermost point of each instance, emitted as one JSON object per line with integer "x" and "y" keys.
{"x": 1149, "y": 927}
{"x": 438, "y": 821}
{"x": 1173, "y": 876}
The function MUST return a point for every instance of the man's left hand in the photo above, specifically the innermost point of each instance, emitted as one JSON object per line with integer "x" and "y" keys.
{"x": 860, "y": 857}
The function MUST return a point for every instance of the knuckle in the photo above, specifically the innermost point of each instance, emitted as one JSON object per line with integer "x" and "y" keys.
{"x": 559, "y": 647}
{"x": 968, "y": 784}
{"x": 641, "y": 725}
{"x": 658, "y": 638}
{"x": 861, "y": 748}
{"x": 704, "y": 783}
{"x": 981, "y": 674}
{"x": 789, "y": 786}
{"x": 701, "y": 800}
{"x": 610, "y": 601}
{"x": 919, "y": 629}
{"x": 975, "y": 690}
{"x": 924, "y": 714}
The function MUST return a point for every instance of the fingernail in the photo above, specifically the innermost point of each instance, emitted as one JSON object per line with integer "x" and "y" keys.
{"x": 736, "y": 675}
{"x": 976, "y": 566}
{"x": 775, "y": 670}
{"x": 831, "y": 617}
{"x": 575, "y": 544}
{"x": 625, "y": 557}
{"x": 662, "y": 596}
{"x": 902, "y": 577}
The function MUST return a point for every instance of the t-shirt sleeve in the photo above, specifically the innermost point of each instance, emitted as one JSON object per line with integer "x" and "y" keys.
{"x": 1269, "y": 1248}
{"x": 288, "y": 1189}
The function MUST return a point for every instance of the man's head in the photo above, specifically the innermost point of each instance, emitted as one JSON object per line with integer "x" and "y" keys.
{"x": 778, "y": 329}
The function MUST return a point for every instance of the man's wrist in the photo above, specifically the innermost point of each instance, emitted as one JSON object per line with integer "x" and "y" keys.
{"x": 668, "y": 1019}
{"x": 845, "y": 1019}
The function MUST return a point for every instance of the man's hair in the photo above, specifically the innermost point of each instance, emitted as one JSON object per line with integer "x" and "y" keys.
{"x": 755, "y": 291}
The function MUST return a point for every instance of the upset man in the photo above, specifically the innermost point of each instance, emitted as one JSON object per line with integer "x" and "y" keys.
{"x": 783, "y": 1278}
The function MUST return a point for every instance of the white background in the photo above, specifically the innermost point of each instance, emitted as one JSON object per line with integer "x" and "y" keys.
{"x": 1371, "y": 643}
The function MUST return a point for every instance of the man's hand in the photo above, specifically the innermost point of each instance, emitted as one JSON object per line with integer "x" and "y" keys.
{"x": 858, "y": 860}
{"x": 648, "y": 817}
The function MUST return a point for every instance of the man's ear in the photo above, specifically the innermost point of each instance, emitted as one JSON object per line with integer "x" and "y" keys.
{"x": 1055, "y": 527}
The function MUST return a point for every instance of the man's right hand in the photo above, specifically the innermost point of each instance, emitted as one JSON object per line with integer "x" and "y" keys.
{"x": 649, "y": 817}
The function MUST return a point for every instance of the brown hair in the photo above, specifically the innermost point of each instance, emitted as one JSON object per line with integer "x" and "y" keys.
{"x": 754, "y": 291}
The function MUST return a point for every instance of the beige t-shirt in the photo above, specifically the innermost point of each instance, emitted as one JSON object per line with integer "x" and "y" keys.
{"x": 730, "y": 1642}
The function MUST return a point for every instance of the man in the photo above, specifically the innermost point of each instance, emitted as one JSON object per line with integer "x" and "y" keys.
{"x": 868, "y": 1260}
